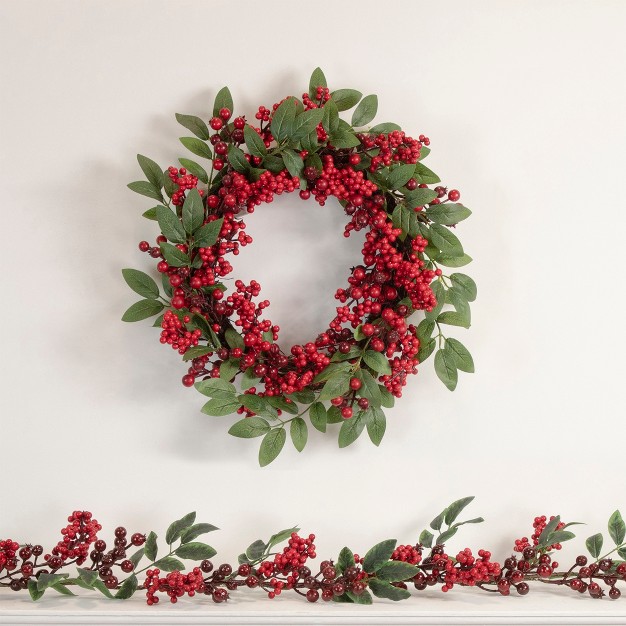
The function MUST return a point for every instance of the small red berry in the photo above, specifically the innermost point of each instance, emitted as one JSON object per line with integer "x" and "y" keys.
{"x": 454, "y": 195}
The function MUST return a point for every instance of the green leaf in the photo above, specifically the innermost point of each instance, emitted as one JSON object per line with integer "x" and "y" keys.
{"x": 256, "y": 550}
{"x": 366, "y": 111}
{"x": 305, "y": 123}
{"x": 622, "y": 553}
{"x": 152, "y": 170}
{"x": 426, "y": 538}
{"x": 364, "y": 598}
{"x": 386, "y": 399}
{"x": 217, "y": 388}
{"x": 377, "y": 556}
{"x": 455, "y": 509}
{"x": 330, "y": 119}
{"x": 195, "y": 169}
{"x": 150, "y": 214}
{"x": 400, "y": 175}
{"x": 369, "y": 387}
{"x": 464, "y": 285}
{"x": 218, "y": 407}
{"x": 195, "y": 125}
{"x": 331, "y": 370}
{"x": 617, "y": 528}
{"x": 282, "y": 120}
{"x": 344, "y": 139}
{"x": 197, "y": 147}
{"x": 102, "y": 588}
{"x": 196, "y": 551}
{"x": 303, "y": 397}
{"x": 446, "y": 370}
{"x": 560, "y": 536}
{"x": 278, "y": 402}
{"x": 385, "y": 127}
{"x": 396, "y": 571}
{"x": 256, "y": 145}
{"x": 61, "y": 588}
{"x": 128, "y": 588}
{"x": 438, "y": 521}
{"x": 462, "y": 358}
{"x": 196, "y": 351}
{"x": 170, "y": 564}
{"x": 271, "y": 446}
{"x": 233, "y": 338}
{"x": 333, "y": 415}
{"x": 446, "y": 534}
{"x": 424, "y": 152}
{"x": 274, "y": 163}
{"x": 189, "y": 534}
{"x": 229, "y": 368}
{"x": 170, "y": 225}
{"x": 293, "y": 163}
{"x": 142, "y": 310}
{"x": 382, "y": 589}
{"x": 454, "y": 318}
{"x": 346, "y": 98}
{"x": 174, "y": 256}
{"x": 248, "y": 380}
{"x": 454, "y": 261}
{"x": 281, "y": 536}
{"x": 418, "y": 197}
{"x": 136, "y": 557}
{"x": 145, "y": 188}
{"x": 377, "y": 361}
{"x": 208, "y": 234}
{"x": 448, "y": 213}
{"x": 335, "y": 386}
{"x": 446, "y": 241}
{"x": 45, "y": 580}
{"x": 34, "y": 591}
{"x": 351, "y": 430}
{"x": 193, "y": 211}
{"x": 249, "y": 427}
{"x": 426, "y": 176}
{"x": 176, "y": 528}
{"x": 318, "y": 417}
{"x": 87, "y": 575}
{"x": 317, "y": 80}
{"x": 141, "y": 283}
{"x": 299, "y": 433}
{"x": 549, "y": 528}
{"x": 425, "y": 330}
{"x": 223, "y": 100}
{"x": 406, "y": 219}
{"x": 345, "y": 559}
{"x": 151, "y": 546}
{"x": 258, "y": 405}
{"x": 238, "y": 159}
{"x": 376, "y": 426}
{"x": 594, "y": 545}
{"x": 439, "y": 292}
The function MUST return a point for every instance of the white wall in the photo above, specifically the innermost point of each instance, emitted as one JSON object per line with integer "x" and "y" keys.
{"x": 524, "y": 103}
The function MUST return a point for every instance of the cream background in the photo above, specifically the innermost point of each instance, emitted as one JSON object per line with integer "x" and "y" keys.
{"x": 524, "y": 104}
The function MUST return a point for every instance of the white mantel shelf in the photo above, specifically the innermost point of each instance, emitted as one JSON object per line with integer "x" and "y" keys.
{"x": 461, "y": 607}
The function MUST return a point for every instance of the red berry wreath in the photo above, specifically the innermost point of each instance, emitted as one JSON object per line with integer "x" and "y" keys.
{"x": 362, "y": 360}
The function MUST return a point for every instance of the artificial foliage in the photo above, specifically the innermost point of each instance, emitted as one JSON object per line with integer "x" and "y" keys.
{"x": 392, "y": 314}
{"x": 181, "y": 565}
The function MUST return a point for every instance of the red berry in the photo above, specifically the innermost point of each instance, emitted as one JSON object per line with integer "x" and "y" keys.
{"x": 216, "y": 123}
{"x": 225, "y": 114}
{"x": 355, "y": 383}
{"x": 454, "y": 195}
{"x": 346, "y": 412}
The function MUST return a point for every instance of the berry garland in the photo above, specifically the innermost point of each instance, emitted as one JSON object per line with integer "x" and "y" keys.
{"x": 387, "y": 570}
{"x": 360, "y": 363}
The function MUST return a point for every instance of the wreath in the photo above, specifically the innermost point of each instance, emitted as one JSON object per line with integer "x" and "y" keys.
{"x": 133, "y": 562}
{"x": 359, "y": 364}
